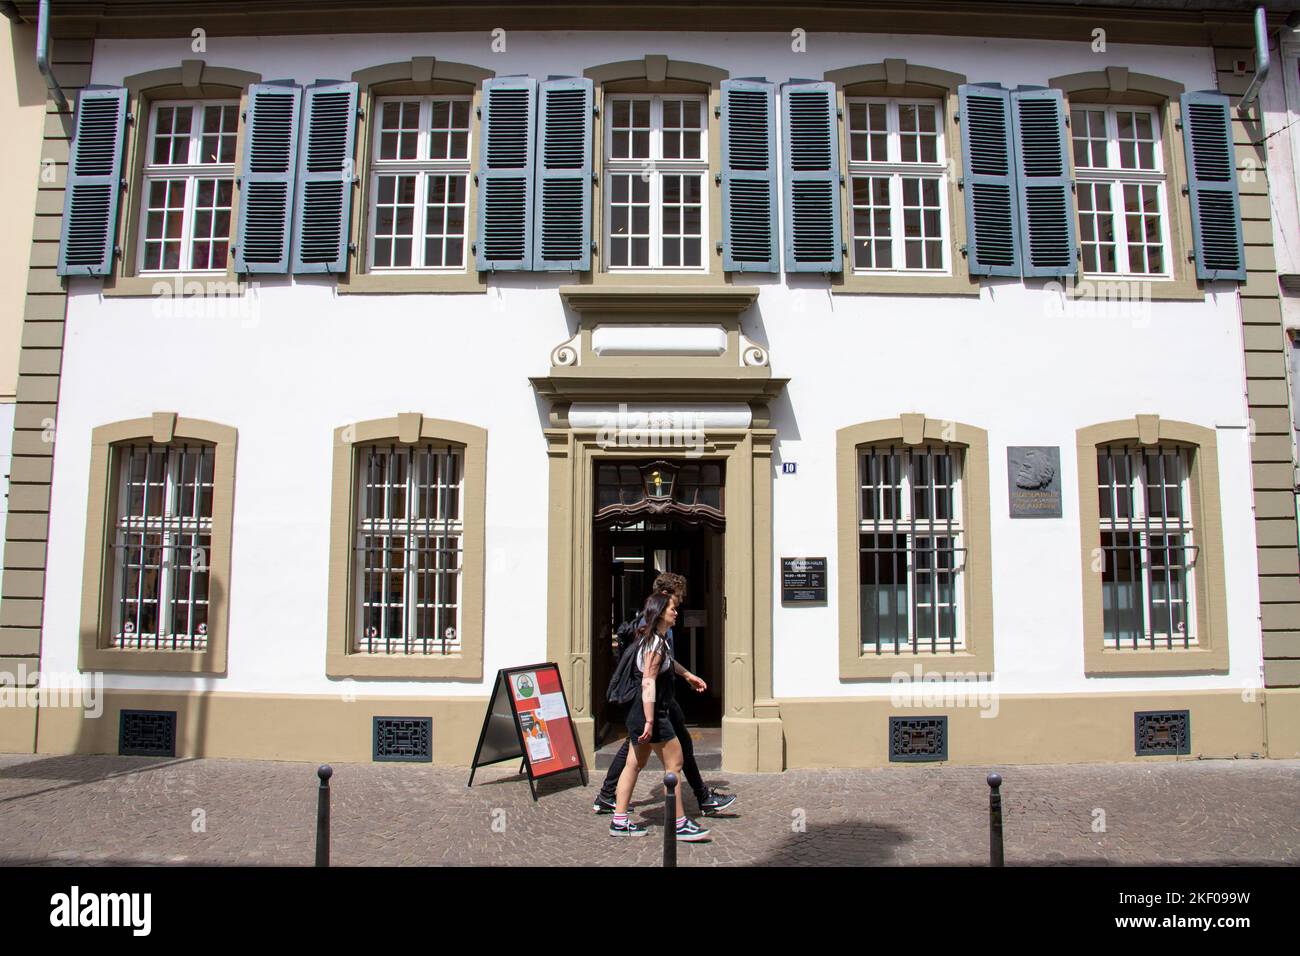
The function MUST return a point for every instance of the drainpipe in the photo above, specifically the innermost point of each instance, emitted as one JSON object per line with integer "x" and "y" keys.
{"x": 1262, "y": 60}
{"x": 43, "y": 56}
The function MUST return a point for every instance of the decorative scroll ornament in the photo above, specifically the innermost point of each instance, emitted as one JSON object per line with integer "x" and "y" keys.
{"x": 564, "y": 354}
{"x": 755, "y": 356}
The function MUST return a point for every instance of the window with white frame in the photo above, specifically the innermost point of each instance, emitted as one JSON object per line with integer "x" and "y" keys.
{"x": 189, "y": 182}
{"x": 911, "y": 548}
{"x": 407, "y": 562}
{"x": 419, "y": 184}
{"x": 1120, "y": 182}
{"x": 898, "y": 185}
{"x": 656, "y": 164}
{"x": 162, "y": 546}
{"x": 1148, "y": 546}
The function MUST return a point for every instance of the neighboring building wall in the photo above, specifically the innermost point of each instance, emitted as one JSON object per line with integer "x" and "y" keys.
{"x": 294, "y": 360}
{"x": 43, "y": 305}
{"x": 22, "y": 113}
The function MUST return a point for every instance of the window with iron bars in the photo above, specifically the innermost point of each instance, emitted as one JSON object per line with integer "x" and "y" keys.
{"x": 1148, "y": 546}
{"x": 408, "y": 549}
{"x": 162, "y": 547}
{"x": 911, "y": 549}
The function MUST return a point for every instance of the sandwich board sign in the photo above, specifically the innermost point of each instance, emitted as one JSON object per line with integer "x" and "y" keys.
{"x": 528, "y": 717}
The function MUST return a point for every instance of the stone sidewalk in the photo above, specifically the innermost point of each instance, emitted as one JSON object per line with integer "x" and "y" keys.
{"x": 137, "y": 810}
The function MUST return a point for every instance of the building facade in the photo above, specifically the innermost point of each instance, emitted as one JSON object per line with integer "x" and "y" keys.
{"x": 390, "y": 349}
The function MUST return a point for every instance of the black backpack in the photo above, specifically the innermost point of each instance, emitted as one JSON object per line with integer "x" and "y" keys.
{"x": 624, "y": 683}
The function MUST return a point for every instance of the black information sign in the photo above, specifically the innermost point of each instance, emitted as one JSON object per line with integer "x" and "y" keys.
{"x": 803, "y": 580}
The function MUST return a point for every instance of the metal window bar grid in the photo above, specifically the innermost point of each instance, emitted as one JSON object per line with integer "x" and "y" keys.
{"x": 162, "y": 547}
{"x": 1148, "y": 558}
{"x": 909, "y": 513}
{"x": 408, "y": 550}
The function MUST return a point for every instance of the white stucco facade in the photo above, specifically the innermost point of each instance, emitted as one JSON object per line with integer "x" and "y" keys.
{"x": 295, "y": 360}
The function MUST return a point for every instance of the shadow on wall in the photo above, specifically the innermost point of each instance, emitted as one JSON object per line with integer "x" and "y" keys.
{"x": 29, "y": 85}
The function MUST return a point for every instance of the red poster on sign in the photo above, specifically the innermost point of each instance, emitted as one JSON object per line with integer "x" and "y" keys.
{"x": 528, "y": 717}
{"x": 544, "y": 722}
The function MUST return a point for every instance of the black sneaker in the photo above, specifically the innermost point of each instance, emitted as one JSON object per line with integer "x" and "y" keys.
{"x": 691, "y": 832}
{"x": 716, "y": 802}
{"x": 628, "y": 829}
{"x": 602, "y": 805}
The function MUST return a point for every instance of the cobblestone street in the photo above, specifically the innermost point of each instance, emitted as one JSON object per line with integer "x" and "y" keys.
{"x": 136, "y": 810}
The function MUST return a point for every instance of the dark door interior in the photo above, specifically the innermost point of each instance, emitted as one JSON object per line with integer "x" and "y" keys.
{"x": 629, "y": 550}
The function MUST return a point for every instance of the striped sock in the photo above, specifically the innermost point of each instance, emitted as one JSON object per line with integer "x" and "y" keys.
{"x": 681, "y": 821}
{"x": 620, "y": 819}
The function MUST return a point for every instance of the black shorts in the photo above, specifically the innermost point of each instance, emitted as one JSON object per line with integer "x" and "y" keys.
{"x": 661, "y": 728}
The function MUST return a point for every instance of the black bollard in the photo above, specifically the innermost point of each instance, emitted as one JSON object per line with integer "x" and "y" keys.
{"x": 995, "y": 820}
{"x": 325, "y": 771}
{"x": 670, "y": 819}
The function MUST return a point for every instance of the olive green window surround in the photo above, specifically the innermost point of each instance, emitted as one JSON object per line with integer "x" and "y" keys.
{"x": 1117, "y": 85}
{"x": 419, "y": 76}
{"x": 1210, "y": 655}
{"x": 192, "y": 80}
{"x": 408, "y": 428}
{"x": 163, "y": 428}
{"x": 915, "y": 429}
{"x": 657, "y": 74}
{"x": 899, "y": 78}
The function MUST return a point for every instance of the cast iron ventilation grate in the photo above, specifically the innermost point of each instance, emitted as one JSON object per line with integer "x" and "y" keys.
{"x": 917, "y": 739}
{"x": 1162, "y": 732}
{"x": 147, "y": 733}
{"x": 403, "y": 738}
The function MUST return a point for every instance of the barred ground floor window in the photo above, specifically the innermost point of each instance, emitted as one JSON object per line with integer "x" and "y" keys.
{"x": 407, "y": 564}
{"x": 162, "y": 546}
{"x": 1148, "y": 546}
{"x": 911, "y": 549}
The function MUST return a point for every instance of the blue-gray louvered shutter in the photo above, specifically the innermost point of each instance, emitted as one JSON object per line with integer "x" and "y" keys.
{"x": 94, "y": 184}
{"x": 505, "y": 176}
{"x": 811, "y": 168}
{"x": 1047, "y": 232}
{"x": 1212, "y": 182}
{"x": 323, "y": 205}
{"x": 989, "y": 180}
{"x": 562, "y": 188}
{"x": 749, "y": 229}
{"x": 266, "y": 183}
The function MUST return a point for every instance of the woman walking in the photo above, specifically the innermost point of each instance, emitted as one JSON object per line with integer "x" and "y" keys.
{"x": 648, "y": 726}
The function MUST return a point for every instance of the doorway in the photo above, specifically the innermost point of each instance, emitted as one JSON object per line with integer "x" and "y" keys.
{"x": 652, "y": 517}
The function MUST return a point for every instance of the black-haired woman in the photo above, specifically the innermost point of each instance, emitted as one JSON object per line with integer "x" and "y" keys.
{"x": 648, "y": 726}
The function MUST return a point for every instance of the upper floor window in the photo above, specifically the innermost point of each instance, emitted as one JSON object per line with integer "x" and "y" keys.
{"x": 163, "y": 545}
{"x": 910, "y": 548}
{"x": 1147, "y": 544}
{"x": 419, "y": 183}
{"x": 656, "y": 164}
{"x": 189, "y": 181}
{"x": 898, "y": 177}
{"x": 408, "y": 550}
{"x": 1121, "y": 190}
